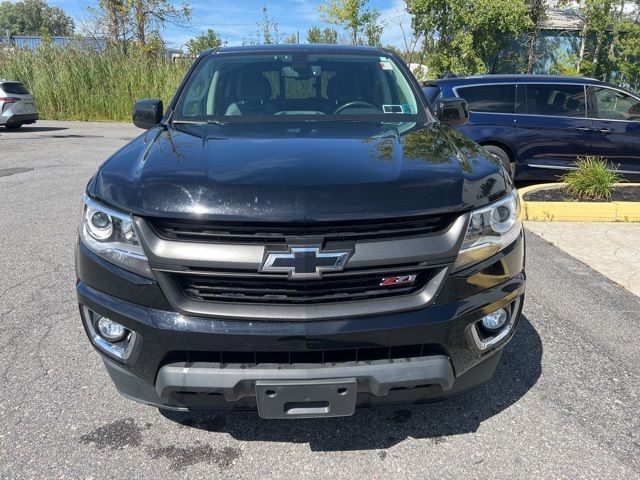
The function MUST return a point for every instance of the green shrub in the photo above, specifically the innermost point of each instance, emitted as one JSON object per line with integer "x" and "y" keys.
{"x": 74, "y": 84}
{"x": 593, "y": 179}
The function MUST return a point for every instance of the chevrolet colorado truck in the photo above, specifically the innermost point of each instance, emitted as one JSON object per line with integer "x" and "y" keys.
{"x": 299, "y": 233}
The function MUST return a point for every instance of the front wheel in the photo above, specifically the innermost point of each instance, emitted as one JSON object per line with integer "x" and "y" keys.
{"x": 13, "y": 126}
{"x": 501, "y": 155}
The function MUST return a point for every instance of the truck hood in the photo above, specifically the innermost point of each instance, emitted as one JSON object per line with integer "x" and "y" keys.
{"x": 284, "y": 171}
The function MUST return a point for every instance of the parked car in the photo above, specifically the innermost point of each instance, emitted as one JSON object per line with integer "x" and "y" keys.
{"x": 297, "y": 233}
{"x": 540, "y": 124}
{"x": 17, "y": 105}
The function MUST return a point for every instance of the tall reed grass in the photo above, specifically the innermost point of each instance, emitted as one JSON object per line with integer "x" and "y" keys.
{"x": 72, "y": 84}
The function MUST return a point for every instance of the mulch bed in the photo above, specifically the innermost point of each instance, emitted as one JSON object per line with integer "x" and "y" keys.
{"x": 629, "y": 193}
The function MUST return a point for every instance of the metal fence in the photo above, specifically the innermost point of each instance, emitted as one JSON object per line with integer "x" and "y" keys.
{"x": 34, "y": 41}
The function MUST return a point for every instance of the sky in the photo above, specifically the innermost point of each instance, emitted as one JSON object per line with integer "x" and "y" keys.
{"x": 235, "y": 20}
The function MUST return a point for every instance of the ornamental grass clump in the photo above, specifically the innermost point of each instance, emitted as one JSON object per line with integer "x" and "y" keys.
{"x": 592, "y": 180}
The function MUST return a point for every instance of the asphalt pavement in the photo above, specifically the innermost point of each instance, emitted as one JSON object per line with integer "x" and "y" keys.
{"x": 564, "y": 402}
{"x": 613, "y": 248}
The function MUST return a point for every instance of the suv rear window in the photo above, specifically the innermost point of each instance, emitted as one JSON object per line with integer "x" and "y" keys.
{"x": 556, "y": 100}
{"x": 490, "y": 98}
{"x": 14, "y": 87}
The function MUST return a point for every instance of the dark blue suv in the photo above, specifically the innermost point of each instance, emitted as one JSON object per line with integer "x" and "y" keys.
{"x": 539, "y": 124}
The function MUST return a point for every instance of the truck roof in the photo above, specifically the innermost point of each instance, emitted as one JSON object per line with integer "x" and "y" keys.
{"x": 306, "y": 47}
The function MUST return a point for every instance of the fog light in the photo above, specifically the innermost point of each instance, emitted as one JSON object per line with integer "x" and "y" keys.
{"x": 111, "y": 331}
{"x": 495, "y": 321}
{"x": 108, "y": 336}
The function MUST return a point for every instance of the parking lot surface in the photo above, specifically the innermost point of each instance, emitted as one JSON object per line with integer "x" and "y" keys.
{"x": 612, "y": 249}
{"x": 564, "y": 402}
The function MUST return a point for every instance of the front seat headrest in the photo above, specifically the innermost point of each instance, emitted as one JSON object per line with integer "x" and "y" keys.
{"x": 253, "y": 88}
{"x": 344, "y": 87}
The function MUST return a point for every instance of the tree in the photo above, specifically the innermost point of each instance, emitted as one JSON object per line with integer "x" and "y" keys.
{"x": 608, "y": 47}
{"x": 153, "y": 15}
{"x": 327, "y": 36}
{"x": 596, "y": 16}
{"x": 268, "y": 29}
{"x": 467, "y": 37}
{"x": 208, "y": 39}
{"x": 414, "y": 43}
{"x": 362, "y": 24}
{"x": 293, "y": 38}
{"x": 137, "y": 20}
{"x": 538, "y": 13}
{"x": 34, "y": 17}
{"x": 113, "y": 13}
{"x": 626, "y": 56}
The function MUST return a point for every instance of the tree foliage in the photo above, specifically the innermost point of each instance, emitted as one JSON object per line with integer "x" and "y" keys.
{"x": 268, "y": 30}
{"x": 538, "y": 14}
{"x": 204, "y": 41}
{"x": 154, "y": 15}
{"x": 327, "y": 35}
{"x": 362, "y": 24}
{"x": 139, "y": 20}
{"x": 291, "y": 39}
{"x": 467, "y": 36}
{"x": 489, "y": 36}
{"x": 34, "y": 17}
{"x": 608, "y": 46}
{"x": 626, "y": 51}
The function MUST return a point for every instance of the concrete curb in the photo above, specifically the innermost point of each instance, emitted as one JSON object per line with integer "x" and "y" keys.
{"x": 577, "y": 211}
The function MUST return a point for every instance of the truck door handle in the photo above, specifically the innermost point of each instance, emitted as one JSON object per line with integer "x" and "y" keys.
{"x": 583, "y": 129}
{"x": 606, "y": 131}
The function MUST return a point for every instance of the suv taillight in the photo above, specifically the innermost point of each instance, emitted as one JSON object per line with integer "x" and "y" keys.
{"x": 9, "y": 99}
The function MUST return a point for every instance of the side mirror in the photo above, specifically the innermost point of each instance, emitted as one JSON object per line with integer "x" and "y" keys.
{"x": 147, "y": 113}
{"x": 453, "y": 111}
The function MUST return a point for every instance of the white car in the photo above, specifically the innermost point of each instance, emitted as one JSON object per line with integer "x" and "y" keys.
{"x": 17, "y": 105}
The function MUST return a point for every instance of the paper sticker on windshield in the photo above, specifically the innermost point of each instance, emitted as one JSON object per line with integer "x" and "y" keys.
{"x": 386, "y": 64}
{"x": 407, "y": 109}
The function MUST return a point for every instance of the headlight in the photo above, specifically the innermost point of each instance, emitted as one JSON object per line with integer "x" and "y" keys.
{"x": 490, "y": 230}
{"x": 111, "y": 235}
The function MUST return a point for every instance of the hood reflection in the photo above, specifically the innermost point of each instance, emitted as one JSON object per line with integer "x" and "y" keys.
{"x": 313, "y": 170}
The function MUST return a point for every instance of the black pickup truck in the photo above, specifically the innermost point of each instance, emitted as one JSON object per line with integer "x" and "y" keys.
{"x": 299, "y": 233}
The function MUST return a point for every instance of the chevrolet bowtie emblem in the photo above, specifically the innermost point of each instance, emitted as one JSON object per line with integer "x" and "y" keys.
{"x": 305, "y": 262}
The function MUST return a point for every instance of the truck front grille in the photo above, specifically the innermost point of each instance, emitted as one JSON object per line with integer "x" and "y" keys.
{"x": 209, "y": 268}
{"x": 281, "y": 290}
{"x": 264, "y": 233}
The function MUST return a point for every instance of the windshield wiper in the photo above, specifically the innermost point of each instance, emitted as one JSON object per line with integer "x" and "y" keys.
{"x": 198, "y": 122}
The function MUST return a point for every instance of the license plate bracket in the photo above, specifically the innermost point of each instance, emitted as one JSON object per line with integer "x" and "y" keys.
{"x": 306, "y": 399}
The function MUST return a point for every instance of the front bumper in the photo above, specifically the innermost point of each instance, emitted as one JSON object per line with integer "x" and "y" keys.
{"x": 158, "y": 372}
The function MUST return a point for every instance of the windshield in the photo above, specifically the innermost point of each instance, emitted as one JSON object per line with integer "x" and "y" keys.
{"x": 228, "y": 87}
{"x": 14, "y": 88}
